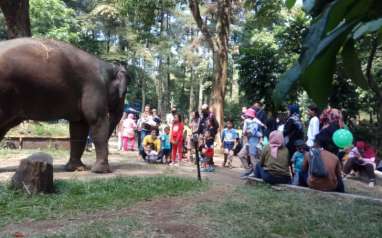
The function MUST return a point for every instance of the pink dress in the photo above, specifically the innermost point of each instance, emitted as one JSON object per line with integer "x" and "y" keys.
{"x": 128, "y": 133}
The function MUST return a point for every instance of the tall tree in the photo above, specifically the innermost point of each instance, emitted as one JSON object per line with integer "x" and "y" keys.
{"x": 16, "y": 15}
{"x": 218, "y": 43}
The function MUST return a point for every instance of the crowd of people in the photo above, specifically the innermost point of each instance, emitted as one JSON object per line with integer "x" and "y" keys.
{"x": 280, "y": 149}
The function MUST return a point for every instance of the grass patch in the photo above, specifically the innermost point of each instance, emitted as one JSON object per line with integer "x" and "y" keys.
{"x": 263, "y": 212}
{"x": 79, "y": 196}
{"x": 9, "y": 153}
{"x": 40, "y": 129}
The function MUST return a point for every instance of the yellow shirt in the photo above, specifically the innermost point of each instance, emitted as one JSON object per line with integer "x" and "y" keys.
{"x": 148, "y": 140}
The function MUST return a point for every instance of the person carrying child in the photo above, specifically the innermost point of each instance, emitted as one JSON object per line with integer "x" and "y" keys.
{"x": 151, "y": 147}
{"x": 229, "y": 137}
{"x": 298, "y": 160}
{"x": 165, "y": 144}
{"x": 251, "y": 130}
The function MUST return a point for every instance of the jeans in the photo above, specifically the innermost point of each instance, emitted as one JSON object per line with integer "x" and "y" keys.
{"x": 269, "y": 178}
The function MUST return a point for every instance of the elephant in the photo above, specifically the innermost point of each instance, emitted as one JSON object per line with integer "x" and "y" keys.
{"x": 44, "y": 80}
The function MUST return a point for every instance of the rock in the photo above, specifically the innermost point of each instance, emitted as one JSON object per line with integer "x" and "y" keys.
{"x": 34, "y": 174}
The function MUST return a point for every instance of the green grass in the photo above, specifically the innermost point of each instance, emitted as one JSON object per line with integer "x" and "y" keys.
{"x": 40, "y": 129}
{"x": 74, "y": 197}
{"x": 263, "y": 212}
{"x": 10, "y": 153}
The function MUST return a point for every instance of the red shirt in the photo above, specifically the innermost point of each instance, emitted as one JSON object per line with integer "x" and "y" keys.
{"x": 177, "y": 132}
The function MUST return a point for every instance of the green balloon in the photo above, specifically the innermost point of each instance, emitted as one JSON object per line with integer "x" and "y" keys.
{"x": 343, "y": 138}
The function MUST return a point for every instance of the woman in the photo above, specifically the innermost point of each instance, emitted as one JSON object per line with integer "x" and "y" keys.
{"x": 128, "y": 133}
{"x": 144, "y": 123}
{"x": 177, "y": 139}
{"x": 293, "y": 129}
{"x": 331, "y": 120}
{"x": 362, "y": 159}
{"x": 274, "y": 161}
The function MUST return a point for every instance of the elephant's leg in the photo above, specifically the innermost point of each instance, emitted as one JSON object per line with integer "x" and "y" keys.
{"x": 100, "y": 134}
{"x": 78, "y": 135}
{"x": 5, "y": 126}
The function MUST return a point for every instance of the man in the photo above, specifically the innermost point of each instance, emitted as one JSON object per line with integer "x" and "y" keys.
{"x": 170, "y": 116}
{"x": 260, "y": 113}
{"x": 262, "y": 116}
{"x": 321, "y": 170}
{"x": 151, "y": 146}
{"x": 204, "y": 121}
{"x": 314, "y": 125}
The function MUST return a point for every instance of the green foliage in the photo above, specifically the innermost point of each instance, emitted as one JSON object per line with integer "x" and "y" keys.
{"x": 266, "y": 52}
{"x": 74, "y": 197}
{"x": 53, "y": 19}
{"x": 335, "y": 23}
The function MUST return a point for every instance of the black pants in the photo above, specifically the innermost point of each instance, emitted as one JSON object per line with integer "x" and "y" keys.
{"x": 360, "y": 166}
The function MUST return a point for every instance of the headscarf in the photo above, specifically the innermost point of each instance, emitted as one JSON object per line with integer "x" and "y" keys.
{"x": 333, "y": 115}
{"x": 130, "y": 116}
{"x": 276, "y": 140}
{"x": 294, "y": 109}
{"x": 368, "y": 151}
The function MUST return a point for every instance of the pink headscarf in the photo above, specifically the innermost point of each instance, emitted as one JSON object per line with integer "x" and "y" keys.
{"x": 276, "y": 140}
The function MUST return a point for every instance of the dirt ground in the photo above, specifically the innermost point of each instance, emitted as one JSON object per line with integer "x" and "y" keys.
{"x": 166, "y": 217}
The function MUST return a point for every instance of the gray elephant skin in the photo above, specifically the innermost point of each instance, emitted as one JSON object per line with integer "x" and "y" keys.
{"x": 47, "y": 80}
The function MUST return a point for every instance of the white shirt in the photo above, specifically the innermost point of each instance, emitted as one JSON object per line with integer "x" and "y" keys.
{"x": 313, "y": 130}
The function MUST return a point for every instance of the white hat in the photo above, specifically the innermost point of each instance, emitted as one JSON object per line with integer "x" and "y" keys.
{"x": 204, "y": 106}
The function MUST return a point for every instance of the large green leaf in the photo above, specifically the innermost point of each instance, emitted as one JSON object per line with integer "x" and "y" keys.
{"x": 317, "y": 75}
{"x": 339, "y": 10}
{"x": 367, "y": 27}
{"x": 352, "y": 64}
{"x": 290, "y": 3}
{"x": 317, "y": 63}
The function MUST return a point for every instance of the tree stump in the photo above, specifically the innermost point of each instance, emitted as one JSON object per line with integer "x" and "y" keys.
{"x": 34, "y": 174}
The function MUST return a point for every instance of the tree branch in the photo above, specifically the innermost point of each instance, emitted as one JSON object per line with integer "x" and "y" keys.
{"x": 194, "y": 7}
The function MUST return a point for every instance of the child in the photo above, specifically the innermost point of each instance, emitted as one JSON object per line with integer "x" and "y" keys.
{"x": 207, "y": 149}
{"x": 229, "y": 136}
{"x": 128, "y": 133}
{"x": 177, "y": 139}
{"x": 166, "y": 145}
{"x": 297, "y": 160}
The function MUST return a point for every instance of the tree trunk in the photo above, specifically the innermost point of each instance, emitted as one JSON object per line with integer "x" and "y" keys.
{"x": 34, "y": 174}
{"x": 219, "y": 86}
{"x": 192, "y": 93}
{"x": 16, "y": 13}
{"x": 218, "y": 43}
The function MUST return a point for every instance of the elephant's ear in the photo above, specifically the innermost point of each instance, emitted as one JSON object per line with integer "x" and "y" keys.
{"x": 121, "y": 78}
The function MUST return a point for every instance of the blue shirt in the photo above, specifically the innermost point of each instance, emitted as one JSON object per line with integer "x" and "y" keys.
{"x": 165, "y": 141}
{"x": 229, "y": 135}
{"x": 298, "y": 159}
